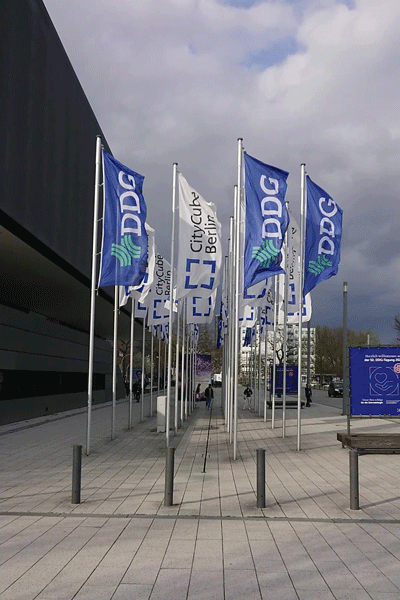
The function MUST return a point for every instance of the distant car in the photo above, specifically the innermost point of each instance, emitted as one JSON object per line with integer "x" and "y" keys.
{"x": 335, "y": 389}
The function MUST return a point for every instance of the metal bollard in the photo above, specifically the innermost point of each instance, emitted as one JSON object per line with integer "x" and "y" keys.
{"x": 261, "y": 478}
{"x": 354, "y": 492}
{"x": 76, "y": 474}
{"x": 169, "y": 477}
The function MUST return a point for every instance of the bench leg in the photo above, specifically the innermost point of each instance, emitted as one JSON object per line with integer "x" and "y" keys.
{"x": 354, "y": 491}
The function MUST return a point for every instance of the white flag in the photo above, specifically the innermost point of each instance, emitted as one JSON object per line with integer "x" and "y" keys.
{"x": 200, "y": 250}
{"x": 201, "y": 310}
{"x": 158, "y": 314}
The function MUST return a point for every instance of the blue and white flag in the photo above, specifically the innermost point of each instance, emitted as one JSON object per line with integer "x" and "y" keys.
{"x": 200, "y": 247}
{"x": 323, "y": 237}
{"x": 266, "y": 220}
{"x": 124, "y": 247}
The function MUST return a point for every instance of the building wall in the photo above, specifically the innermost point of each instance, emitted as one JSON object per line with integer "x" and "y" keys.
{"x": 44, "y": 367}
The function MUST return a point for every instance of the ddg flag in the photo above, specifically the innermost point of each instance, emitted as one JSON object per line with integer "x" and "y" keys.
{"x": 124, "y": 248}
{"x": 323, "y": 236}
{"x": 200, "y": 251}
{"x": 266, "y": 220}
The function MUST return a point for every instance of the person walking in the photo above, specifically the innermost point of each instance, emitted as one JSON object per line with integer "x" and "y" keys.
{"x": 308, "y": 392}
{"x": 248, "y": 392}
{"x": 209, "y": 395}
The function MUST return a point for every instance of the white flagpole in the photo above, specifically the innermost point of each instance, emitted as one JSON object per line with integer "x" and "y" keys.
{"x": 302, "y": 233}
{"x": 265, "y": 368}
{"x": 93, "y": 290}
{"x": 236, "y": 311}
{"x": 285, "y": 310}
{"x": 231, "y": 321}
{"x": 171, "y": 305}
{"x": 187, "y": 361}
{"x": 183, "y": 363}
{"x": 177, "y": 370}
{"x": 131, "y": 364}
{"x": 159, "y": 367}
{"x": 143, "y": 373}
{"x": 259, "y": 363}
{"x": 276, "y": 298}
{"x": 151, "y": 372}
{"x": 115, "y": 357}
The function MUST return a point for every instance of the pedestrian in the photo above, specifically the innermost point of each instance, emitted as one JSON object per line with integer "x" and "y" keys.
{"x": 308, "y": 391}
{"x": 248, "y": 392}
{"x": 197, "y": 394}
{"x": 137, "y": 389}
{"x": 209, "y": 395}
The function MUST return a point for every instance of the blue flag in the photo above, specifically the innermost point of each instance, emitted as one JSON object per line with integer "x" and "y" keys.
{"x": 267, "y": 219}
{"x": 124, "y": 248}
{"x": 323, "y": 237}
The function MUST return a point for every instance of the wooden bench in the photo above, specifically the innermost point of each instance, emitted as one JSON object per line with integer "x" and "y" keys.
{"x": 366, "y": 443}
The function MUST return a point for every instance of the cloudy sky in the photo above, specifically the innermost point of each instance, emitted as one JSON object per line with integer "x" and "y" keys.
{"x": 314, "y": 81}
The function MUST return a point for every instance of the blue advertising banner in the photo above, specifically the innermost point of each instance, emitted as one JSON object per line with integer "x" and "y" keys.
{"x": 124, "y": 248}
{"x": 323, "y": 237}
{"x": 375, "y": 381}
{"x": 203, "y": 368}
{"x": 291, "y": 379}
{"x": 267, "y": 219}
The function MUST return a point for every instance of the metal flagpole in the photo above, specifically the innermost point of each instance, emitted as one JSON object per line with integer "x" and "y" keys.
{"x": 183, "y": 363}
{"x": 302, "y": 230}
{"x": 231, "y": 323}
{"x": 285, "y": 311}
{"x": 115, "y": 357}
{"x": 151, "y": 371}
{"x": 159, "y": 366}
{"x": 93, "y": 290}
{"x": 236, "y": 311}
{"x": 143, "y": 373}
{"x": 165, "y": 365}
{"x": 265, "y": 368}
{"x": 131, "y": 364}
{"x": 187, "y": 361}
{"x": 259, "y": 363}
{"x": 171, "y": 305}
{"x": 276, "y": 299}
{"x": 177, "y": 372}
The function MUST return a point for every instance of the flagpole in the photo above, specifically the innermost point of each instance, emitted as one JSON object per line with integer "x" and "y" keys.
{"x": 93, "y": 290}
{"x": 236, "y": 311}
{"x": 177, "y": 371}
{"x": 151, "y": 372}
{"x": 259, "y": 362}
{"x": 265, "y": 367}
{"x": 187, "y": 361}
{"x": 171, "y": 305}
{"x": 231, "y": 311}
{"x": 159, "y": 366}
{"x": 183, "y": 363}
{"x": 115, "y": 357}
{"x": 143, "y": 373}
{"x": 302, "y": 229}
{"x": 131, "y": 364}
{"x": 276, "y": 299}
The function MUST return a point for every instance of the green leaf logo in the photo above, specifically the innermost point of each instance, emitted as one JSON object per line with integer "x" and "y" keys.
{"x": 317, "y": 266}
{"x": 125, "y": 251}
{"x": 266, "y": 253}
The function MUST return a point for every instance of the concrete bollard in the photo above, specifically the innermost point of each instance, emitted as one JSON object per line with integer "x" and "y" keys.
{"x": 261, "y": 503}
{"x": 76, "y": 474}
{"x": 169, "y": 477}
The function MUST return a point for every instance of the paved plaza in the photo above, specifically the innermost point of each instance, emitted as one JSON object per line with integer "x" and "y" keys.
{"x": 121, "y": 543}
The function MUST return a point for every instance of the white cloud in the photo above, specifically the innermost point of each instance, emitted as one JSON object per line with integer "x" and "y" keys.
{"x": 169, "y": 82}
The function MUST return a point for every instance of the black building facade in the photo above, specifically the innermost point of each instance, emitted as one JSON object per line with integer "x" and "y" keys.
{"x": 48, "y": 134}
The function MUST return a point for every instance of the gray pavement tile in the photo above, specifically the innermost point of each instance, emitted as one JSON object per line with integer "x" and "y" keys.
{"x": 171, "y": 583}
{"x": 132, "y": 591}
{"x": 242, "y": 584}
{"x": 206, "y": 587}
